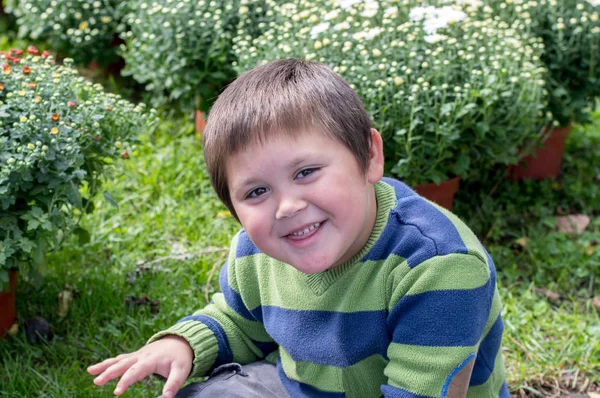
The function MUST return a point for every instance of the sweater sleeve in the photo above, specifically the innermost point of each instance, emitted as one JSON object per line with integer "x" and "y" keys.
{"x": 226, "y": 330}
{"x": 438, "y": 312}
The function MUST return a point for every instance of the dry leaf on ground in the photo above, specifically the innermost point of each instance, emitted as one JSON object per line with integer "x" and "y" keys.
{"x": 65, "y": 298}
{"x": 548, "y": 293}
{"x": 572, "y": 224}
{"x": 523, "y": 242}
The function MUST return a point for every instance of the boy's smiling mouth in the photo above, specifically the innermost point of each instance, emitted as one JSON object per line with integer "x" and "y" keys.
{"x": 305, "y": 232}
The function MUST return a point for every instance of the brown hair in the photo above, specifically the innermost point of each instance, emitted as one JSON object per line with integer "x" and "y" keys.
{"x": 282, "y": 97}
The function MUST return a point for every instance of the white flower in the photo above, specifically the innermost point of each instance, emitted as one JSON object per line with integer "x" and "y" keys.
{"x": 434, "y": 38}
{"x": 431, "y": 26}
{"x": 594, "y": 2}
{"x": 420, "y": 13}
{"x": 390, "y": 11}
{"x": 320, "y": 28}
{"x": 346, "y": 4}
{"x": 372, "y": 33}
{"x": 371, "y": 8}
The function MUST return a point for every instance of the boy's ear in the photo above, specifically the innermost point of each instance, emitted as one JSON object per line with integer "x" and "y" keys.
{"x": 375, "y": 169}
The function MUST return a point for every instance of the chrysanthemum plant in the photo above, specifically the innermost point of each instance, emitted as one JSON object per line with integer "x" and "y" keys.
{"x": 451, "y": 94}
{"x": 570, "y": 31}
{"x": 59, "y": 137}
{"x": 84, "y": 30}
{"x": 180, "y": 50}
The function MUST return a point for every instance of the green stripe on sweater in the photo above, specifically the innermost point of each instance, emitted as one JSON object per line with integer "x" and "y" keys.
{"x": 363, "y": 379}
{"x": 423, "y": 369}
{"x": 467, "y": 272}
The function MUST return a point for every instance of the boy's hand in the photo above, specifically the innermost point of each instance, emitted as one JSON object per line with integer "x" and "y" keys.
{"x": 170, "y": 357}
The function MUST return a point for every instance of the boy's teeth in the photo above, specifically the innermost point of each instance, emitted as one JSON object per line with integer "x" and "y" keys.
{"x": 306, "y": 230}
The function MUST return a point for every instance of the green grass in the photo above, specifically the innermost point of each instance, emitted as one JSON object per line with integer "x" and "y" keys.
{"x": 155, "y": 245}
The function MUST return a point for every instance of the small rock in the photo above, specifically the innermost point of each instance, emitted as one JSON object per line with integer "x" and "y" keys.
{"x": 572, "y": 224}
{"x": 38, "y": 330}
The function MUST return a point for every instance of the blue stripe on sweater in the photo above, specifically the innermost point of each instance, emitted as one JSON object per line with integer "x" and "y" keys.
{"x": 245, "y": 247}
{"x": 397, "y": 392}
{"x": 225, "y": 355}
{"x": 504, "y": 393}
{"x": 416, "y": 231}
{"x": 441, "y": 318}
{"x": 402, "y": 190}
{"x": 327, "y": 337}
{"x": 486, "y": 356}
{"x": 301, "y": 390}
{"x": 233, "y": 298}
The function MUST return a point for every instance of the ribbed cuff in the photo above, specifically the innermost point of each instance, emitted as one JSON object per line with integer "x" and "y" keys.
{"x": 200, "y": 338}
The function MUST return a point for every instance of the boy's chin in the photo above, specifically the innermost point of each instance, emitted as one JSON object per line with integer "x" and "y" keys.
{"x": 313, "y": 266}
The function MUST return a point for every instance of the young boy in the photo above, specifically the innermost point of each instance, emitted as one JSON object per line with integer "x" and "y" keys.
{"x": 352, "y": 284}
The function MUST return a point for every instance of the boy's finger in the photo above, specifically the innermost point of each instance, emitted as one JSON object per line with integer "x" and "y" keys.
{"x": 135, "y": 373}
{"x": 114, "y": 371}
{"x": 101, "y": 366}
{"x": 175, "y": 381}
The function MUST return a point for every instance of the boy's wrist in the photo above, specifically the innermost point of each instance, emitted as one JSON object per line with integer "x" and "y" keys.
{"x": 200, "y": 339}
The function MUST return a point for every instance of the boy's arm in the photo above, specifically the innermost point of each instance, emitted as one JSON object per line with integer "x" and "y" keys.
{"x": 224, "y": 331}
{"x": 438, "y": 312}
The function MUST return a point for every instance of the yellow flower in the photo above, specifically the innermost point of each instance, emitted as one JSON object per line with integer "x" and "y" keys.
{"x": 398, "y": 81}
{"x": 37, "y": 99}
{"x": 22, "y": 93}
{"x": 223, "y": 214}
{"x": 30, "y": 146}
{"x": 54, "y": 130}
{"x": 22, "y": 119}
{"x": 83, "y": 25}
{"x": 318, "y": 45}
{"x": 105, "y": 19}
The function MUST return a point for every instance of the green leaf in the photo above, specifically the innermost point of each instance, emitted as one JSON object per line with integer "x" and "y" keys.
{"x": 462, "y": 164}
{"x": 83, "y": 235}
{"x": 110, "y": 199}
{"x": 39, "y": 252}
{"x": 74, "y": 195}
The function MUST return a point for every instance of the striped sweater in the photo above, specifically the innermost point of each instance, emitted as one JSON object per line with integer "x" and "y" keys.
{"x": 400, "y": 319}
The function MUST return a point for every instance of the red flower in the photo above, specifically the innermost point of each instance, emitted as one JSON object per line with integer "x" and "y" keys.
{"x": 33, "y": 51}
{"x": 46, "y": 54}
{"x": 32, "y": 84}
{"x": 6, "y": 68}
{"x": 71, "y": 104}
{"x": 55, "y": 117}
{"x": 26, "y": 70}
{"x": 1, "y": 86}
{"x": 16, "y": 52}
{"x": 125, "y": 155}
{"x": 16, "y": 60}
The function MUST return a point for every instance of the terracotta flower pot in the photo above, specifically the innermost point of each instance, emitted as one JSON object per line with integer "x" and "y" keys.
{"x": 8, "y": 312}
{"x": 545, "y": 164}
{"x": 200, "y": 123}
{"x": 442, "y": 194}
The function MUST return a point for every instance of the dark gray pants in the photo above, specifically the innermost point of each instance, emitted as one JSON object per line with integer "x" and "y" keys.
{"x": 255, "y": 380}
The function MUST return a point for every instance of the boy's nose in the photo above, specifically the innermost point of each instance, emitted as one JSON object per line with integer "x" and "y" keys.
{"x": 288, "y": 207}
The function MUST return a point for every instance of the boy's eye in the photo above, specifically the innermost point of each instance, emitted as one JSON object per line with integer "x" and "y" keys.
{"x": 306, "y": 172}
{"x": 256, "y": 192}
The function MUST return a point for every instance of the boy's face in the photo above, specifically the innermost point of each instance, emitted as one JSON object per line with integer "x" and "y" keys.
{"x": 304, "y": 200}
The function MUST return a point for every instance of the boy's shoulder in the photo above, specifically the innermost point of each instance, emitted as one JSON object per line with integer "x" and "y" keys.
{"x": 419, "y": 230}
